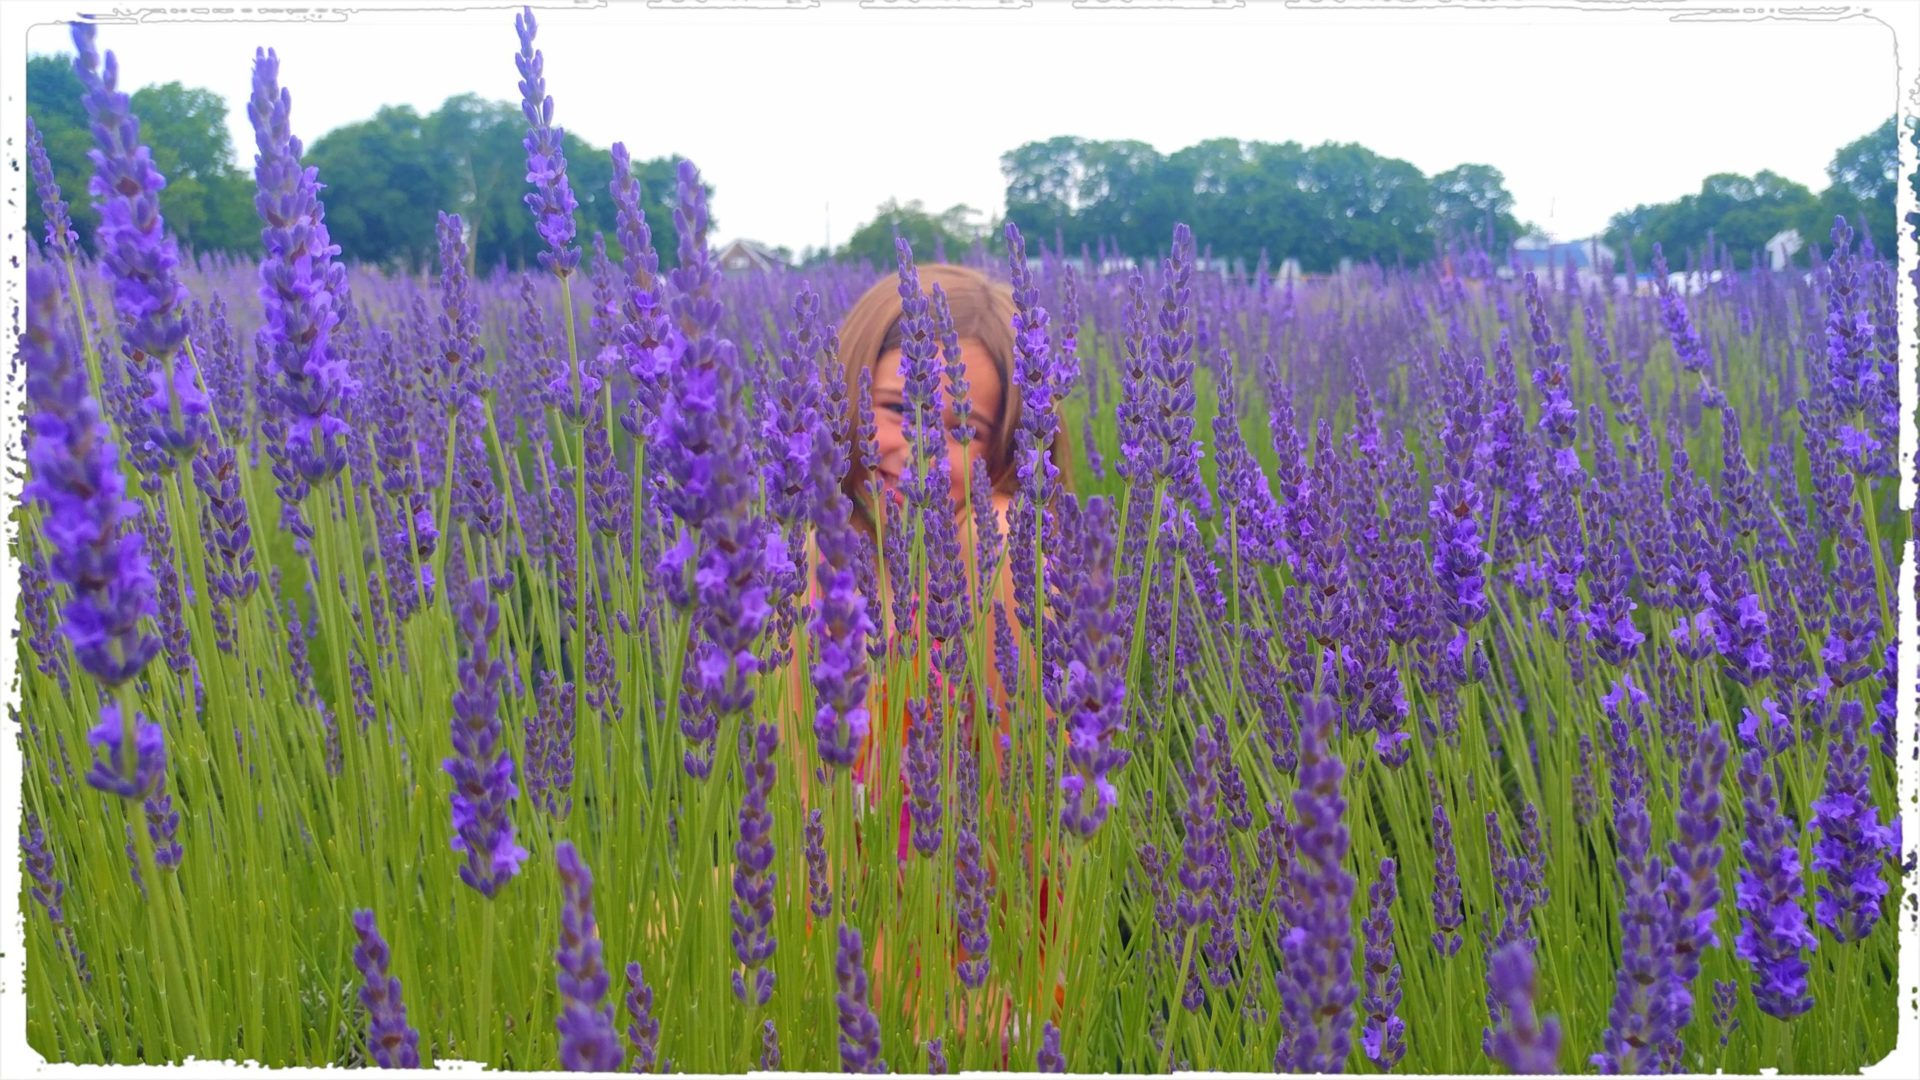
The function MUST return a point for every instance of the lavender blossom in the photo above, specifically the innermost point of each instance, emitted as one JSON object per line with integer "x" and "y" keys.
{"x": 140, "y": 263}
{"x": 1051, "y": 1059}
{"x": 973, "y": 884}
{"x": 587, "y": 1039}
{"x": 1773, "y": 929}
{"x": 75, "y": 477}
{"x": 301, "y": 285}
{"x": 62, "y": 242}
{"x": 481, "y": 767}
{"x": 753, "y": 876}
{"x": 643, "y": 1030}
{"x": 859, "y": 1030}
{"x": 1853, "y": 843}
{"x": 1086, "y": 689}
{"x": 923, "y": 768}
{"x": 1449, "y": 913}
{"x": 1384, "y": 1034}
{"x": 1524, "y": 1043}
{"x": 1693, "y": 882}
{"x": 1641, "y": 1019}
{"x": 49, "y": 891}
{"x": 552, "y": 200}
{"x": 1316, "y": 976}
{"x": 390, "y": 1041}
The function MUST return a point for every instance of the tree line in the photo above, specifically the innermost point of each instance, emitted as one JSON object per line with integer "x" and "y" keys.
{"x": 384, "y": 177}
{"x": 1742, "y": 213}
{"x": 1320, "y": 205}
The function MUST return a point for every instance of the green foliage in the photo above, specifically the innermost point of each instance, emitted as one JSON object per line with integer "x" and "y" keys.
{"x": 1320, "y": 205}
{"x": 53, "y": 101}
{"x": 1742, "y": 213}
{"x": 467, "y": 158}
{"x": 383, "y": 176}
{"x": 208, "y": 203}
{"x": 953, "y": 231}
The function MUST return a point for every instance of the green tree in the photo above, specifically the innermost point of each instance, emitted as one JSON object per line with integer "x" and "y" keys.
{"x": 207, "y": 203}
{"x": 53, "y": 100}
{"x": 1738, "y": 213}
{"x": 389, "y": 176}
{"x": 953, "y": 230}
{"x": 384, "y": 181}
{"x": 1864, "y": 179}
{"x": 1043, "y": 187}
{"x": 1472, "y": 201}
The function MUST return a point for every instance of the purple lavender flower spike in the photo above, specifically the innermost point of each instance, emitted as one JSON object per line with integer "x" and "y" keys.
{"x": 1853, "y": 843}
{"x": 587, "y": 1039}
{"x": 1086, "y": 688}
{"x": 62, "y": 242}
{"x": 134, "y": 775}
{"x": 76, "y": 478}
{"x": 1384, "y": 1034}
{"x": 769, "y": 1047}
{"x": 1641, "y": 1019}
{"x": 481, "y": 767}
{"x": 973, "y": 884}
{"x": 937, "y": 1058}
{"x": 923, "y": 767}
{"x": 753, "y": 876}
{"x": 49, "y": 891}
{"x": 552, "y": 200}
{"x": 643, "y": 1029}
{"x": 1693, "y": 882}
{"x": 140, "y": 262}
{"x": 301, "y": 285}
{"x": 1524, "y": 1043}
{"x": 163, "y": 825}
{"x": 859, "y": 1030}
{"x": 1773, "y": 927}
{"x": 1316, "y": 977}
{"x": 1051, "y": 1060}
{"x": 390, "y": 1041}
{"x": 1449, "y": 912}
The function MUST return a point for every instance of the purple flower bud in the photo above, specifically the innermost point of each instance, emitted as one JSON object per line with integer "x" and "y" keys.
{"x": 1773, "y": 927}
{"x": 1384, "y": 1034}
{"x": 302, "y": 286}
{"x": 587, "y": 1039}
{"x": 390, "y": 1042}
{"x": 1449, "y": 913}
{"x": 76, "y": 478}
{"x": 753, "y": 877}
{"x": 1051, "y": 1059}
{"x": 481, "y": 767}
{"x": 1640, "y": 1022}
{"x": 1315, "y": 979}
{"x": 48, "y": 891}
{"x": 859, "y": 1030}
{"x": 643, "y": 1030}
{"x": 62, "y": 241}
{"x": 924, "y": 768}
{"x": 1853, "y": 844}
{"x": 1693, "y": 882}
{"x": 552, "y": 200}
{"x": 1524, "y": 1043}
{"x": 1086, "y": 689}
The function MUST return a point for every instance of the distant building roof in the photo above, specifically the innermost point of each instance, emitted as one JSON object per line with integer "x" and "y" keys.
{"x": 748, "y": 255}
{"x": 1538, "y": 251}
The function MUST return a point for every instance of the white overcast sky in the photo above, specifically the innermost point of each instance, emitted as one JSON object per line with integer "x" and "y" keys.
{"x": 805, "y": 120}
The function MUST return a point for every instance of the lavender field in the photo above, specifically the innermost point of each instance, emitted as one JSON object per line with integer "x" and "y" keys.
{"x": 1455, "y": 669}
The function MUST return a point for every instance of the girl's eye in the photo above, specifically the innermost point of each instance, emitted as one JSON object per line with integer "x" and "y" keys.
{"x": 898, "y": 408}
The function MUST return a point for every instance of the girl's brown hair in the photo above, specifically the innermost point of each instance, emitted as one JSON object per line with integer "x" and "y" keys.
{"x": 982, "y": 309}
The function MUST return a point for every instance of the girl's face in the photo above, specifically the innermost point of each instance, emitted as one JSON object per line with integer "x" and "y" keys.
{"x": 984, "y": 391}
